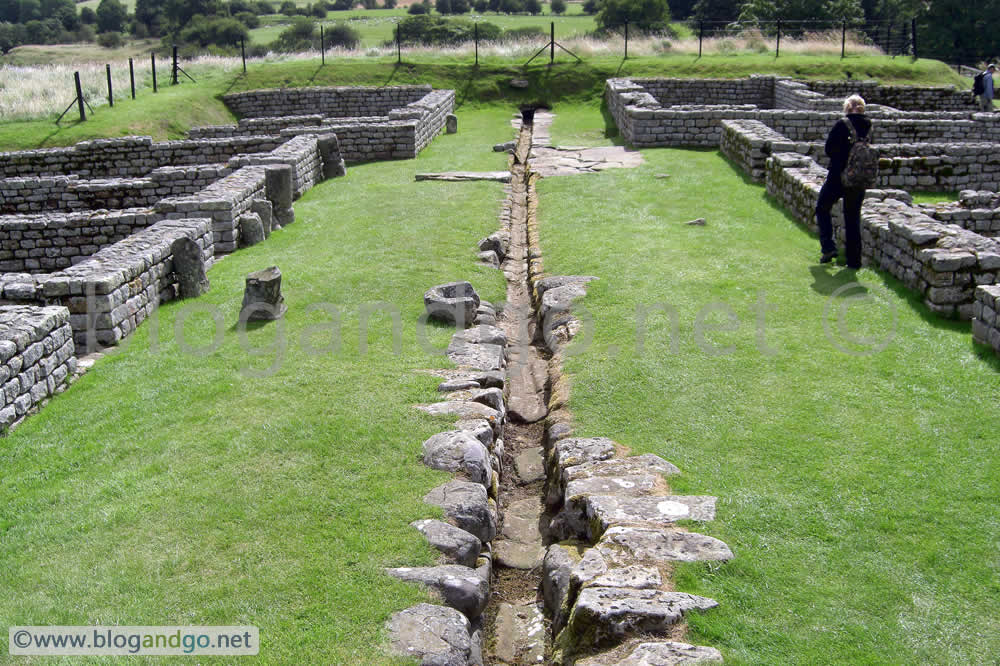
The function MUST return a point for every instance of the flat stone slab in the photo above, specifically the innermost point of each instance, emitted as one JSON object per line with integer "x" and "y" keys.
{"x": 611, "y": 467}
{"x": 605, "y": 614}
{"x": 522, "y": 556}
{"x": 631, "y": 485}
{"x": 528, "y": 376}
{"x": 529, "y": 465}
{"x": 519, "y": 634}
{"x": 482, "y": 334}
{"x": 578, "y": 450}
{"x": 550, "y": 161}
{"x": 464, "y": 589}
{"x": 662, "y": 653}
{"x": 431, "y": 634}
{"x": 467, "y": 505}
{"x": 604, "y": 511}
{"x": 520, "y": 545}
{"x": 623, "y": 545}
{"x": 456, "y": 545}
{"x": 466, "y": 176}
{"x": 480, "y": 356}
{"x": 464, "y": 409}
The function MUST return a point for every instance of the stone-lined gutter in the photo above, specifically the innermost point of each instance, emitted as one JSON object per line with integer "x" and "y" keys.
{"x": 582, "y": 562}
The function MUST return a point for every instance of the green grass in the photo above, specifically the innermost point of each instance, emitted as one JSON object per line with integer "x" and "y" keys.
{"x": 933, "y": 197}
{"x": 858, "y": 492}
{"x": 171, "y": 488}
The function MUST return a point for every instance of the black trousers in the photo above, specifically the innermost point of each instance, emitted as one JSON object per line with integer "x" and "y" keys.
{"x": 831, "y": 191}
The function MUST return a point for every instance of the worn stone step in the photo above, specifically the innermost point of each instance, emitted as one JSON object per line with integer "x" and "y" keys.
{"x": 623, "y": 545}
{"x": 527, "y": 378}
{"x": 465, "y": 589}
{"x": 520, "y": 545}
{"x": 520, "y": 634}
{"x": 647, "y": 463}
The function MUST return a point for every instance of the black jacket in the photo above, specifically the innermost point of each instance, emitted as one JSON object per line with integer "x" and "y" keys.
{"x": 838, "y": 143}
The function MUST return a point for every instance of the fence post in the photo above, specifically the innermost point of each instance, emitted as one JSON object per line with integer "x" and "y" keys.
{"x": 888, "y": 39}
{"x": 476, "y": 35}
{"x": 322, "y": 46}
{"x": 552, "y": 42}
{"x": 173, "y": 69}
{"x": 913, "y": 32}
{"x": 843, "y": 38}
{"x": 777, "y": 46}
{"x": 243, "y": 54}
{"x": 131, "y": 77}
{"x": 152, "y": 60}
{"x": 399, "y": 52}
{"x": 111, "y": 97}
{"x": 626, "y": 39}
{"x": 701, "y": 35}
{"x": 79, "y": 95}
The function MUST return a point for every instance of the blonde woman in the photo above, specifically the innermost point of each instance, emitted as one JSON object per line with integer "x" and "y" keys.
{"x": 838, "y": 145}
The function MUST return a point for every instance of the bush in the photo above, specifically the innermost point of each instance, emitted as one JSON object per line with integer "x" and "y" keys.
{"x": 110, "y": 40}
{"x": 533, "y": 7}
{"x": 389, "y": 4}
{"x": 558, "y": 6}
{"x": 512, "y": 6}
{"x": 342, "y": 5}
{"x": 591, "y": 7}
{"x": 288, "y": 8}
{"x": 249, "y": 19}
{"x": 481, "y": 6}
{"x": 301, "y": 35}
{"x": 342, "y": 35}
{"x": 525, "y": 34}
{"x": 263, "y": 7}
{"x": 647, "y": 15}
{"x": 417, "y": 9}
{"x": 318, "y": 10}
{"x": 438, "y": 31}
{"x": 88, "y": 16}
{"x": 214, "y": 30}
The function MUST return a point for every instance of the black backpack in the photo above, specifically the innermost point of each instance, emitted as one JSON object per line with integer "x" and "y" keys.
{"x": 861, "y": 170}
{"x": 978, "y": 87}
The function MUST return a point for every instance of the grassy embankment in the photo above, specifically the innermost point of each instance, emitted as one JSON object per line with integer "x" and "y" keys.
{"x": 858, "y": 490}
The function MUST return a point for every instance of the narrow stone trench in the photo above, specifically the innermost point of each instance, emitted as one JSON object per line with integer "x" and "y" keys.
{"x": 516, "y": 628}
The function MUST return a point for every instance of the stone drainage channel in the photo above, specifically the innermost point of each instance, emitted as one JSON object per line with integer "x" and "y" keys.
{"x": 555, "y": 549}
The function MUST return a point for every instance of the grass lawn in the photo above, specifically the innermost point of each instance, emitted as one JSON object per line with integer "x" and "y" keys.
{"x": 859, "y": 491}
{"x": 168, "y": 487}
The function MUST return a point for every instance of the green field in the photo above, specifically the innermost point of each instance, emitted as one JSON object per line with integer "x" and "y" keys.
{"x": 858, "y": 490}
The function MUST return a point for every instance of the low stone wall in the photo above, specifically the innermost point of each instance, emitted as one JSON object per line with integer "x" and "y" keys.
{"x": 942, "y": 262}
{"x": 223, "y": 203}
{"x": 904, "y": 98}
{"x": 254, "y": 126}
{"x": 37, "y": 356}
{"x": 749, "y": 143}
{"x": 985, "y": 317}
{"x": 128, "y": 157}
{"x": 977, "y": 211}
{"x": 301, "y": 152}
{"x": 790, "y": 94}
{"x": 755, "y": 90}
{"x": 68, "y": 193}
{"x": 330, "y": 102}
{"x": 48, "y": 242}
{"x": 112, "y": 292}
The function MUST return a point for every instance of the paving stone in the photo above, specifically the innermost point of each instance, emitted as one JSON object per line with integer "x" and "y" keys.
{"x": 457, "y": 385}
{"x": 465, "y": 410}
{"x": 465, "y": 589}
{"x": 529, "y": 465}
{"x": 431, "y": 634}
{"x": 477, "y": 335}
{"x": 519, "y": 634}
{"x": 455, "y": 544}
{"x": 478, "y": 356}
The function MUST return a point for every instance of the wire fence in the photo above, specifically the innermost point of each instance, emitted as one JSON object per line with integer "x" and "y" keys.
{"x": 893, "y": 38}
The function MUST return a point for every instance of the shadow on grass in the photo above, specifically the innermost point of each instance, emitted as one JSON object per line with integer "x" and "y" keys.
{"x": 827, "y": 280}
{"x": 610, "y": 126}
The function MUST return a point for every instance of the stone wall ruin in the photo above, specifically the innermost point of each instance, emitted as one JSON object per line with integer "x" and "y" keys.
{"x": 86, "y": 231}
{"x": 929, "y": 139}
